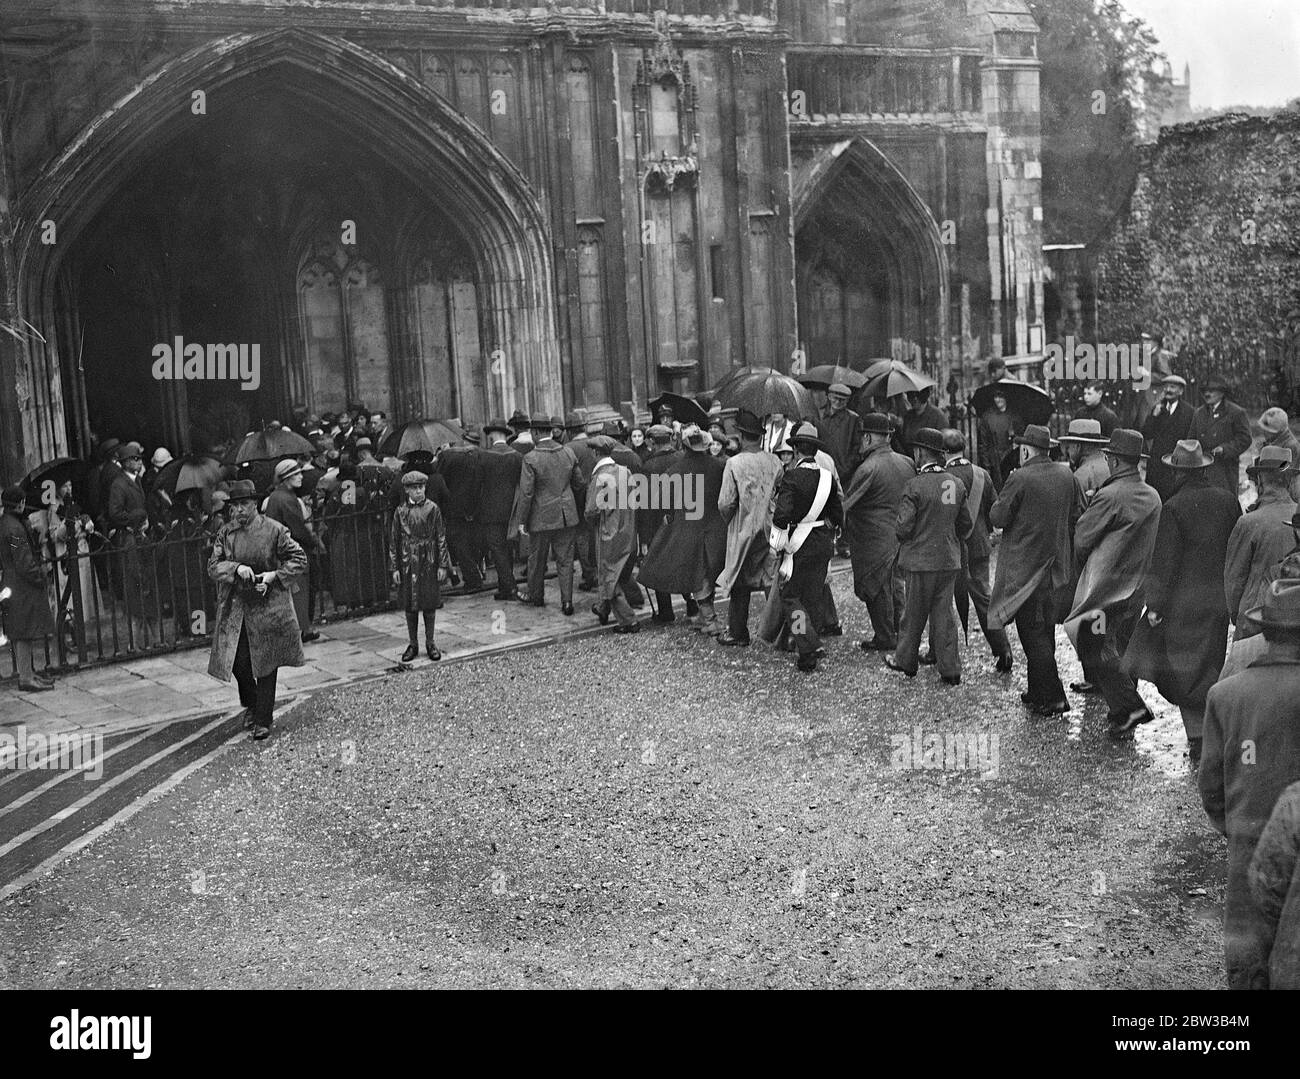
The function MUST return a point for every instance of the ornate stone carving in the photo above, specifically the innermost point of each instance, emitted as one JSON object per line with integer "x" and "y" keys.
{"x": 667, "y": 171}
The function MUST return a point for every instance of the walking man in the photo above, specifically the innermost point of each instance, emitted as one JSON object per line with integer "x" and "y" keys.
{"x": 1036, "y": 514}
{"x": 933, "y": 522}
{"x": 1114, "y": 541}
{"x": 1084, "y": 444}
{"x": 547, "y": 510}
{"x": 1261, "y": 539}
{"x": 254, "y": 561}
{"x": 613, "y": 520}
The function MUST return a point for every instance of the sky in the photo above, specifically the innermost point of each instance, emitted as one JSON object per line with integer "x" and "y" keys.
{"x": 1242, "y": 52}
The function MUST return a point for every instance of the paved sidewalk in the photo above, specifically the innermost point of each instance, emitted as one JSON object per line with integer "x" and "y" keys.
{"x": 141, "y": 692}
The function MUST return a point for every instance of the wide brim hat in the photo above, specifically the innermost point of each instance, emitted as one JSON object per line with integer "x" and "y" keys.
{"x": 806, "y": 434}
{"x": 241, "y": 491}
{"x": 1040, "y": 438}
{"x": 1188, "y": 455}
{"x": 1126, "y": 443}
{"x": 519, "y": 420}
{"x": 876, "y": 423}
{"x": 498, "y": 424}
{"x": 1271, "y": 459}
{"x": 1084, "y": 433}
{"x": 749, "y": 424}
{"x": 1281, "y": 606}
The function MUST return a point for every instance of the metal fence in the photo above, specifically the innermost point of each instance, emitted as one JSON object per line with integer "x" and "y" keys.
{"x": 133, "y": 595}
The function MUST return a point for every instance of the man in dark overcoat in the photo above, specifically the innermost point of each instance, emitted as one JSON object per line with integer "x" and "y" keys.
{"x": 253, "y": 562}
{"x": 500, "y": 466}
{"x": 284, "y": 505}
{"x": 933, "y": 522}
{"x": 1036, "y": 511}
{"x": 1114, "y": 541}
{"x": 461, "y": 468}
{"x": 547, "y": 510}
{"x": 1223, "y": 430}
{"x": 871, "y": 503}
{"x": 1181, "y": 642}
{"x": 808, "y": 508}
{"x": 1252, "y": 754}
{"x": 650, "y": 519}
{"x": 1169, "y": 423}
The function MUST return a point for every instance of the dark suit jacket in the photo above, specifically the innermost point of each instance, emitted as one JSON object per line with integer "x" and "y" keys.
{"x": 461, "y": 469}
{"x": 282, "y": 505}
{"x": 932, "y": 522}
{"x": 126, "y": 503}
{"x": 794, "y": 498}
{"x": 1227, "y": 429}
{"x": 1163, "y": 432}
{"x": 648, "y": 520}
{"x": 546, "y": 488}
{"x": 500, "y": 465}
{"x": 977, "y": 544}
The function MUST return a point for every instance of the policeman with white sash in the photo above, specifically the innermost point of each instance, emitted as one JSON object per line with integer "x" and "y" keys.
{"x": 808, "y": 510}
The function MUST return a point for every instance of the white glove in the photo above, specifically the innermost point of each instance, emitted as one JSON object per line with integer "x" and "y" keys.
{"x": 778, "y": 539}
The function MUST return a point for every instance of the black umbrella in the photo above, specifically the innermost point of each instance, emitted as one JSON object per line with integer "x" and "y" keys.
{"x": 827, "y": 375}
{"x": 427, "y": 435}
{"x": 764, "y": 391}
{"x": 685, "y": 410}
{"x": 895, "y": 379}
{"x": 55, "y": 472}
{"x": 192, "y": 472}
{"x": 1031, "y": 403}
{"x": 269, "y": 445}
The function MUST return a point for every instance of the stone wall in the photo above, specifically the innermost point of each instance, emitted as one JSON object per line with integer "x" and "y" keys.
{"x": 1208, "y": 255}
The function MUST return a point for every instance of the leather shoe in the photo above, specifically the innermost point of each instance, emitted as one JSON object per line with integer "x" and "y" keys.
{"x": 833, "y": 631}
{"x": 261, "y": 733}
{"x": 1005, "y": 663}
{"x": 601, "y": 612}
{"x": 307, "y": 638}
{"x": 506, "y": 597}
{"x": 955, "y": 680}
{"x": 1056, "y": 708}
{"x": 432, "y": 651}
{"x": 35, "y": 685}
{"x": 889, "y": 662}
{"x": 1084, "y": 687}
{"x": 874, "y": 646}
{"x": 665, "y": 619}
{"x": 535, "y": 602}
{"x": 631, "y": 627}
{"x": 928, "y": 660}
{"x": 807, "y": 663}
{"x": 412, "y": 650}
{"x": 566, "y": 608}
{"x": 249, "y": 722}
{"x": 727, "y": 640}
{"x": 1125, "y": 723}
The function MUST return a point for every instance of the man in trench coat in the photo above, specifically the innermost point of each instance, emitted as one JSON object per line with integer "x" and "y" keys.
{"x": 1252, "y": 754}
{"x": 613, "y": 521}
{"x": 254, "y": 560}
{"x": 870, "y": 513}
{"x": 1114, "y": 541}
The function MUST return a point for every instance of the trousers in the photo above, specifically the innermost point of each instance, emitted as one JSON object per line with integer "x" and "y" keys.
{"x": 1100, "y": 654}
{"x": 497, "y": 543}
{"x": 977, "y": 587}
{"x": 1036, "y": 626}
{"x": 257, "y": 694}
{"x": 929, "y": 600}
{"x": 561, "y": 541}
{"x": 464, "y": 541}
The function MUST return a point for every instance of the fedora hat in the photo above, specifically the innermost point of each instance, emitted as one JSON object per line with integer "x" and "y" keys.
{"x": 1274, "y": 421}
{"x": 1189, "y": 455}
{"x": 876, "y": 423}
{"x": 1126, "y": 443}
{"x": 1281, "y": 606}
{"x": 929, "y": 438}
{"x": 695, "y": 439}
{"x": 1085, "y": 433}
{"x": 1037, "y": 436}
{"x": 749, "y": 424}
{"x": 1271, "y": 459}
{"x": 498, "y": 424}
{"x": 540, "y": 421}
{"x": 1216, "y": 381}
{"x": 806, "y": 434}
{"x": 519, "y": 420}
{"x": 131, "y": 449}
{"x": 241, "y": 491}
{"x": 287, "y": 469}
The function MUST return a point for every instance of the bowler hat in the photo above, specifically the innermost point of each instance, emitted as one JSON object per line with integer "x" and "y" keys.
{"x": 242, "y": 491}
{"x": 498, "y": 424}
{"x": 1126, "y": 443}
{"x": 519, "y": 420}
{"x": 695, "y": 439}
{"x": 472, "y": 436}
{"x": 1037, "y": 436}
{"x": 555, "y": 421}
{"x": 287, "y": 469}
{"x": 806, "y": 434}
{"x": 573, "y": 421}
{"x": 414, "y": 478}
{"x": 876, "y": 423}
{"x": 749, "y": 424}
{"x": 840, "y": 390}
{"x": 1086, "y": 433}
{"x": 1274, "y": 421}
{"x": 1271, "y": 459}
{"x": 1281, "y": 606}
{"x": 541, "y": 422}
{"x": 1189, "y": 455}
{"x": 131, "y": 449}
{"x": 929, "y": 438}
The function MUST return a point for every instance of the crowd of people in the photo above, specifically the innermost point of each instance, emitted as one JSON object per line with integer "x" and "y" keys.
{"x": 1135, "y": 541}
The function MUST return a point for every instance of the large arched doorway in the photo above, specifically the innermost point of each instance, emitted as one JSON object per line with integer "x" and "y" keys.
{"x": 316, "y": 203}
{"x": 872, "y": 274}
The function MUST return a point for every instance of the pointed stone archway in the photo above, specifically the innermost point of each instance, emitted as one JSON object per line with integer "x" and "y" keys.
{"x": 447, "y": 170}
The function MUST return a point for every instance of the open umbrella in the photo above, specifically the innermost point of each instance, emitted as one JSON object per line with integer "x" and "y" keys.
{"x": 427, "y": 435}
{"x": 1031, "y": 403}
{"x": 268, "y": 445}
{"x": 192, "y": 472}
{"x": 764, "y": 391}
{"x": 895, "y": 380}
{"x": 685, "y": 410}
{"x": 827, "y": 375}
{"x": 54, "y": 472}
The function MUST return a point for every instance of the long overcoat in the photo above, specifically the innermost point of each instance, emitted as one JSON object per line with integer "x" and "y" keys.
{"x": 1259, "y": 541}
{"x": 1163, "y": 432}
{"x": 1226, "y": 429}
{"x": 1274, "y": 878}
{"x": 1251, "y": 755}
{"x": 27, "y": 615}
{"x": 1184, "y": 586}
{"x": 650, "y": 519}
{"x": 609, "y": 510}
{"x": 870, "y": 512}
{"x": 1035, "y": 510}
{"x": 274, "y": 637}
{"x": 417, "y": 549}
{"x": 1113, "y": 541}
{"x": 687, "y": 555}
{"x": 748, "y": 483}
